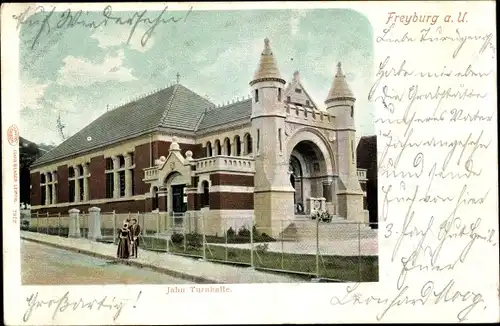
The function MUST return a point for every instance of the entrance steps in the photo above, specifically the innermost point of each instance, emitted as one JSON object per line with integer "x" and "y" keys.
{"x": 304, "y": 228}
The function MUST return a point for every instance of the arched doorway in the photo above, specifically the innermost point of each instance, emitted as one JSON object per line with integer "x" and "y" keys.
{"x": 177, "y": 198}
{"x": 310, "y": 166}
{"x": 296, "y": 178}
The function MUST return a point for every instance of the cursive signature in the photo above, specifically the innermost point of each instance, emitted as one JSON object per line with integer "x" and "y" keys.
{"x": 67, "y": 19}
{"x": 63, "y": 303}
{"x": 428, "y": 294}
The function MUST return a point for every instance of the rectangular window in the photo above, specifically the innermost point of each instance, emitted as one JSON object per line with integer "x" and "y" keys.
{"x": 71, "y": 189}
{"x": 279, "y": 139}
{"x": 298, "y": 90}
{"x": 308, "y": 103}
{"x": 43, "y": 195}
{"x": 81, "y": 190}
{"x": 122, "y": 183}
{"x": 71, "y": 172}
{"x": 109, "y": 163}
{"x": 288, "y": 99}
{"x": 256, "y": 95}
{"x": 109, "y": 185}
{"x": 50, "y": 195}
{"x": 279, "y": 94}
{"x": 133, "y": 183}
{"x": 258, "y": 140}
{"x": 352, "y": 151}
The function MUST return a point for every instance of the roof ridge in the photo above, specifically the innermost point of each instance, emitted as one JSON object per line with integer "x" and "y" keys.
{"x": 232, "y": 103}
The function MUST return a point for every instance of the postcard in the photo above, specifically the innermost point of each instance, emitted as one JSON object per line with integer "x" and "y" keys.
{"x": 249, "y": 162}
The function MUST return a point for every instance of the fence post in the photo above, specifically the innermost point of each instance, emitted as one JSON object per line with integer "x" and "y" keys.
{"x": 225, "y": 241}
{"x": 317, "y": 247}
{"x": 183, "y": 231}
{"x": 359, "y": 252}
{"x": 282, "y": 246}
{"x": 114, "y": 226}
{"x": 251, "y": 248}
{"x": 166, "y": 230}
{"x": 74, "y": 223}
{"x": 204, "y": 239}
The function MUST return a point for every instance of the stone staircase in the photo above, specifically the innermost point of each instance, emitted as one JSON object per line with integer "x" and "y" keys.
{"x": 304, "y": 228}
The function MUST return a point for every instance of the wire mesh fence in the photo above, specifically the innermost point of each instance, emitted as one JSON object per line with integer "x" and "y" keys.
{"x": 332, "y": 250}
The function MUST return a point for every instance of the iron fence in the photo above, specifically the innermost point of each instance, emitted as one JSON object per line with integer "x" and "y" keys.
{"x": 337, "y": 250}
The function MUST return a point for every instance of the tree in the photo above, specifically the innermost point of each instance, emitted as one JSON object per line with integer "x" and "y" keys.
{"x": 28, "y": 153}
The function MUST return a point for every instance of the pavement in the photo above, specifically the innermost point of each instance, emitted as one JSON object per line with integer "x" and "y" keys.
{"x": 197, "y": 271}
{"x": 46, "y": 265}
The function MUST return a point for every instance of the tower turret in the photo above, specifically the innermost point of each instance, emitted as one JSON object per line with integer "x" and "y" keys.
{"x": 267, "y": 85}
{"x": 340, "y": 103}
{"x": 273, "y": 192}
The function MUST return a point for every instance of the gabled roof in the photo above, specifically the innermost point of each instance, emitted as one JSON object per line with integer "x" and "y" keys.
{"x": 173, "y": 107}
{"x": 295, "y": 83}
{"x": 226, "y": 114}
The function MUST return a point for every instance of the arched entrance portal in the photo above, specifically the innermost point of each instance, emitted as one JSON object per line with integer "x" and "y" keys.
{"x": 177, "y": 198}
{"x": 308, "y": 175}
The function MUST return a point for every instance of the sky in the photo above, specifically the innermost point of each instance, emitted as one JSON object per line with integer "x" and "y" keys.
{"x": 79, "y": 71}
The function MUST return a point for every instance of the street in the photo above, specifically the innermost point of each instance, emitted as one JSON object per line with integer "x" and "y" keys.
{"x": 45, "y": 265}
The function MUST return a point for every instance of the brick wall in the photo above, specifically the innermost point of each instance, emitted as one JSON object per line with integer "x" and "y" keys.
{"x": 231, "y": 200}
{"x": 128, "y": 206}
{"x": 62, "y": 184}
{"x": 222, "y": 179}
{"x": 97, "y": 180}
{"x": 142, "y": 161}
{"x": 35, "y": 189}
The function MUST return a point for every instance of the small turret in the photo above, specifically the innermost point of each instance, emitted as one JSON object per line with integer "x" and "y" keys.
{"x": 268, "y": 68}
{"x": 340, "y": 101}
{"x": 340, "y": 90}
{"x": 267, "y": 85}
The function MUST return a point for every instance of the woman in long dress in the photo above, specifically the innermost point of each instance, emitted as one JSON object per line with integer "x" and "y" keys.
{"x": 124, "y": 242}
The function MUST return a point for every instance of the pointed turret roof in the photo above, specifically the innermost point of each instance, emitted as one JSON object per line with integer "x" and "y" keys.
{"x": 268, "y": 68}
{"x": 340, "y": 89}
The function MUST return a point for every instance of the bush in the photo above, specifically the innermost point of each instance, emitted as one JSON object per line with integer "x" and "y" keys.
{"x": 177, "y": 238}
{"x": 322, "y": 216}
{"x": 194, "y": 240}
{"x": 255, "y": 231}
{"x": 230, "y": 233}
{"x": 25, "y": 225}
{"x": 243, "y": 232}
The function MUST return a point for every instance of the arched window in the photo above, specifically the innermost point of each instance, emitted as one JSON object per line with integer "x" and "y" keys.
{"x": 155, "y": 198}
{"x": 227, "y": 147}
{"x": 205, "y": 201}
{"x": 217, "y": 148}
{"x": 352, "y": 111}
{"x": 248, "y": 144}
{"x": 209, "y": 149}
{"x": 237, "y": 143}
{"x": 42, "y": 178}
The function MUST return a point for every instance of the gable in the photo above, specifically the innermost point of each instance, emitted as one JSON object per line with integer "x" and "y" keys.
{"x": 296, "y": 94}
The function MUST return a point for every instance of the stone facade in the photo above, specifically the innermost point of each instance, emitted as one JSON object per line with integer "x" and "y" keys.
{"x": 285, "y": 159}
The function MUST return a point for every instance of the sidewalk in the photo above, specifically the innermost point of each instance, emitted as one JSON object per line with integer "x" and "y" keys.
{"x": 187, "y": 268}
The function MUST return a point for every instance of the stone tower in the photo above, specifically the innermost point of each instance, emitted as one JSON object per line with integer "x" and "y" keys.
{"x": 273, "y": 193}
{"x": 340, "y": 103}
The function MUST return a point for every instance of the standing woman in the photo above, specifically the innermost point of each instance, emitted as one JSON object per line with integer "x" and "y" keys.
{"x": 124, "y": 242}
